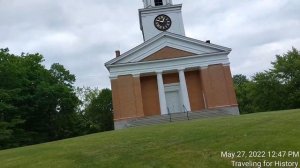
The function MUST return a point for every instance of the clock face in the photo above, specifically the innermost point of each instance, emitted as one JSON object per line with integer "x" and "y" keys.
{"x": 162, "y": 22}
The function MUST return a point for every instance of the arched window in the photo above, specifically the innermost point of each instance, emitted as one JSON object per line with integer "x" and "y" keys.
{"x": 158, "y": 2}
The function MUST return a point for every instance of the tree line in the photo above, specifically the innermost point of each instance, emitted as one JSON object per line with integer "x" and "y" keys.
{"x": 40, "y": 105}
{"x": 275, "y": 89}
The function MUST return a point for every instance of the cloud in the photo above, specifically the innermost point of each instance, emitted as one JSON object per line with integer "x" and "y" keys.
{"x": 83, "y": 35}
{"x": 255, "y": 30}
{"x": 259, "y": 58}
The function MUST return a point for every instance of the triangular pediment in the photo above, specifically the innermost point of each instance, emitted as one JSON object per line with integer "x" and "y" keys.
{"x": 167, "y": 46}
{"x": 167, "y": 53}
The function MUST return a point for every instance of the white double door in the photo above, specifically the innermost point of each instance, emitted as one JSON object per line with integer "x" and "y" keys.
{"x": 173, "y": 98}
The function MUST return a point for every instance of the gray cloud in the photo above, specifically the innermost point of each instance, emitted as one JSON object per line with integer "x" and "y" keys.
{"x": 82, "y": 35}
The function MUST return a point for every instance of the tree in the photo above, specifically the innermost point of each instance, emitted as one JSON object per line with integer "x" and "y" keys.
{"x": 243, "y": 88}
{"x": 11, "y": 132}
{"x": 286, "y": 68}
{"x": 275, "y": 89}
{"x": 36, "y": 105}
{"x": 99, "y": 112}
{"x": 266, "y": 92}
{"x": 86, "y": 95}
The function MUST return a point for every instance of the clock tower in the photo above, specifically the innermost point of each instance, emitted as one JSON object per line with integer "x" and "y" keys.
{"x": 160, "y": 15}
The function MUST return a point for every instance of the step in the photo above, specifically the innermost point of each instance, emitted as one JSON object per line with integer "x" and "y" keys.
{"x": 175, "y": 117}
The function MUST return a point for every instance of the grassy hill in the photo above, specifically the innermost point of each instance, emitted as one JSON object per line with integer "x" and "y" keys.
{"x": 196, "y": 143}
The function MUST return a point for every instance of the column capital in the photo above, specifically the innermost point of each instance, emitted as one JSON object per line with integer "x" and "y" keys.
{"x": 159, "y": 72}
{"x": 227, "y": 64}
{"x": 113, "y": 77}
{"x": 136, "y": 75}
{"x": 203, "y": 67}
{"x": 180, "y": 69}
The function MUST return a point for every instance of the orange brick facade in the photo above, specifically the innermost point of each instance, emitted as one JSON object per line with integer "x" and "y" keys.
{"x": 150, "y": 96}
{"x": 127, "y": 97}
{"x": 218, "y": 86}
{"x": 194, "y": 86}
{"x": 135, "y": 97}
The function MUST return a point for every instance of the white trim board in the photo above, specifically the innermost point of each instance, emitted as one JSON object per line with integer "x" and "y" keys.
{"x": 168, "y": 65}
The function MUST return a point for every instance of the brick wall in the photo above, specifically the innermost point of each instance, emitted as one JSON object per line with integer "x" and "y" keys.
{"x": 127, "y": 97}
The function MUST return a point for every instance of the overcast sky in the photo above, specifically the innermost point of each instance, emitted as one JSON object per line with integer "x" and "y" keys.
{"x": 83, "y": 34}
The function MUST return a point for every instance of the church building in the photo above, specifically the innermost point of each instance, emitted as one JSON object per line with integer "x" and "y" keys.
{"x": 169, "y": 72}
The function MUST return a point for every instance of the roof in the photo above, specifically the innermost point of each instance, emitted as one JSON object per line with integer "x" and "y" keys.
{"x": 166, "y": 39}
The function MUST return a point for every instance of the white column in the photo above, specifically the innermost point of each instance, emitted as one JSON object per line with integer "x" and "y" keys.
{"x": 152, "y": 3}
{"x": 184, "y": 91}
{"x": 162, "y": 96}
{"x": 164, "y": 2}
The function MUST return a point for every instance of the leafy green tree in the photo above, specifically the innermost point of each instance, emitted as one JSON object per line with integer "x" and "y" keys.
{"x": 36, "y": 105}
{"x": 275, "y": 89}
{"x": 286, "y": 68}
{"x": 86, "y": 95}
{"x": 240, "y": 80}
{"x": 243, "y": 88}
{"x": 266, "y": 92}
{"x": 99, "y": 112}
{"x": 11, "y": 132}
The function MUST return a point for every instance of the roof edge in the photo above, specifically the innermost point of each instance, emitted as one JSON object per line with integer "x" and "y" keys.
{"x": 171, "y": 35}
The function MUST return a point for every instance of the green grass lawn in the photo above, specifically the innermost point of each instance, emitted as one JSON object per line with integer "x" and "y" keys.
{"x": 196, "y": 143}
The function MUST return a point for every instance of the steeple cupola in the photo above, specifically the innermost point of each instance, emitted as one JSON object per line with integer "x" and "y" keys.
{"x": 153, "y": 3}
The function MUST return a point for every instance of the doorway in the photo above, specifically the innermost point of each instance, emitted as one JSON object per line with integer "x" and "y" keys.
{"x": 173, "y": 98}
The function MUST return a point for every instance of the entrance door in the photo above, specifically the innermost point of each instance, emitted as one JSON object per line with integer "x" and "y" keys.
{"x": 173, "y": 103}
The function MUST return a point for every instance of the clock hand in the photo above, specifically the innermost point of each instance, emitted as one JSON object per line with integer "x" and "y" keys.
{"x": 162, "y": 21}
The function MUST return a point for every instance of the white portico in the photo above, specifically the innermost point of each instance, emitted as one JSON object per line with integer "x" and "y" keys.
{"x": 178, "y": 97}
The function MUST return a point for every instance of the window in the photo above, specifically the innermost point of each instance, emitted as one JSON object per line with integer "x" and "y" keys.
{"x": 158, "y": 2}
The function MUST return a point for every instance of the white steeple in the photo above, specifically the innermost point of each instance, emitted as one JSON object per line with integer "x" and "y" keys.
{"x": 160, "y": 15}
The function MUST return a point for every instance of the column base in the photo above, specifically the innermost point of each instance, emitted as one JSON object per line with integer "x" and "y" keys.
{"x": 121, "y": 124}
